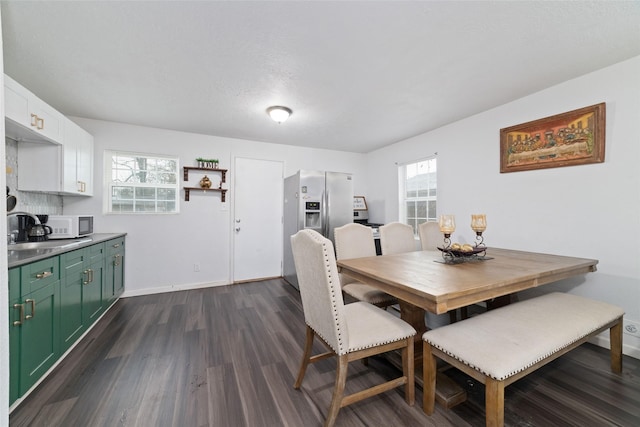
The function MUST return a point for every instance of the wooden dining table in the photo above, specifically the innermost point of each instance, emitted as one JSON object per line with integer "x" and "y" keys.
{"x": 422, "y": 281}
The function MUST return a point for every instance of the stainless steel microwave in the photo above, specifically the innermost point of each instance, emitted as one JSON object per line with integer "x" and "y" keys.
{"x": 70, "y": 226}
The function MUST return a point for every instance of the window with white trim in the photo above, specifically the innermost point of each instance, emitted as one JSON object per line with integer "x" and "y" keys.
{"x": 418, "y": 191}
{"x": 141, "y": 183}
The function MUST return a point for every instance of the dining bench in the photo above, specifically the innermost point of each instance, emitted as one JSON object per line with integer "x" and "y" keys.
{"x": 503, "y": 345}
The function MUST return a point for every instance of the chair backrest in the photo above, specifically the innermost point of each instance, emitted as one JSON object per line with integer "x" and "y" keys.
{"x": 396, "y": 238}
{"x": 354, "y": 241}
{"x": 430, "y": 235}
{"x": 320, "y": 289}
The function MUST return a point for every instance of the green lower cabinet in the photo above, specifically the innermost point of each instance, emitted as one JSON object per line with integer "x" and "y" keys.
{"x": 52, "y": 302}
{"x": 16, "y": 317}
{"x": 14, "y": 356}
{"x": 39, "y": 334}
{"x": 93, "y": 302}
{"x": 81, "y": 292}
{"x": 72, "y": 265}
{"x": 114, "y": 274}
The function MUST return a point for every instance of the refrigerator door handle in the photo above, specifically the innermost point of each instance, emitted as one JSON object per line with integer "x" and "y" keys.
{"x": 325, "y": 215}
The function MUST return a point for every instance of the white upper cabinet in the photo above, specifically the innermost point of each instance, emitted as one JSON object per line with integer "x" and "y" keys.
{"x": 65, "y": 169}
{"x": 28, "y": 118}
{"x": 55, "y": 155}
{"x": 78, "y": 160}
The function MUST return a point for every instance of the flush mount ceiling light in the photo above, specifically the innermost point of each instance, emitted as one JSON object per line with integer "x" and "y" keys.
{"x": 278, "y": 113}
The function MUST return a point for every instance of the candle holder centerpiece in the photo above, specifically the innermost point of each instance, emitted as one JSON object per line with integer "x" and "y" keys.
{"x": 457, "y": 253}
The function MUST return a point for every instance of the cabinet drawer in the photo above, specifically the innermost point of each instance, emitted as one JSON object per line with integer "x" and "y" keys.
{"x": 115, "y": 246}
{"x": 39, "y": 274}
{"x": 72, "y": 261}
{"x": 96, "y": 252}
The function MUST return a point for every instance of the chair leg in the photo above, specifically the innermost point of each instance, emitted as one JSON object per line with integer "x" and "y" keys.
{"x": 338, "y": 390}
{"x": 306, "y": 356}
{"x": 429, "y": 379}
{"x": 408, "y": 371}
{"x": 494, "y": 402}
{"x": 615, "y": 337}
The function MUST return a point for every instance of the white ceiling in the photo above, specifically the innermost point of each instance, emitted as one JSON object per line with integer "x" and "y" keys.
{"x": 357, "y": 75}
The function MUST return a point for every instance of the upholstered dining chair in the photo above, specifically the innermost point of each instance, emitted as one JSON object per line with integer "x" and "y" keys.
{"x": 350, "y": 331}
{"x": 356, "y": 241}
{"x": 430, "y": 235}
{"x": 396, "y": 238}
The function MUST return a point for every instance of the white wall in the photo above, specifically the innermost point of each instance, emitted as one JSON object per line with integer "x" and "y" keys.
{"x": 590, "y": 211}
{"x": 161, "y": 249}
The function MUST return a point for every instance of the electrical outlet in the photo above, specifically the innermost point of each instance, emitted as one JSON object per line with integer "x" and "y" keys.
{"x": 632, "y": 328}
{"x": 196, "y": 268}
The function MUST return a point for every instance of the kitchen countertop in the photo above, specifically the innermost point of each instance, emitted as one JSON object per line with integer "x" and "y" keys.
{"x": 22, "y": 257}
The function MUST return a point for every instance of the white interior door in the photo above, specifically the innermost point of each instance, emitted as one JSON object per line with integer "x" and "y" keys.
{"x": 257, "y": 225}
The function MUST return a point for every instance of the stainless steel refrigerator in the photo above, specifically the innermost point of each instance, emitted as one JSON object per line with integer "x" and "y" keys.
{"x": 317, "y": 200}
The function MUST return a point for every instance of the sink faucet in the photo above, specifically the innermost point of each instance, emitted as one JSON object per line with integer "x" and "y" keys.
{"x": 13, "y": 234}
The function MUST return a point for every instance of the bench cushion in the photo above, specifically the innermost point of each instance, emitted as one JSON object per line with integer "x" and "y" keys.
{"x": 502, "y": 342}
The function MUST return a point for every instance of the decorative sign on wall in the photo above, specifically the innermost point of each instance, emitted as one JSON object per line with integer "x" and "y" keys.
{"x": 572, "y": 138}
{"x": 359, "y": 203}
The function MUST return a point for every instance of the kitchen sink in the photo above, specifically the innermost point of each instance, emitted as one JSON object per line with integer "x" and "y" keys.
{"x": 47, "y": 244}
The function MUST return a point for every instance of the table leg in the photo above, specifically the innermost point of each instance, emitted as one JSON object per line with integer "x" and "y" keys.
{"x": 448, "y": 392}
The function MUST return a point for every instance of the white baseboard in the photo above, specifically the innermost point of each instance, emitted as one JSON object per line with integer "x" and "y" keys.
{"x": 602, "y": 340}
{"x": 170, "y": 288}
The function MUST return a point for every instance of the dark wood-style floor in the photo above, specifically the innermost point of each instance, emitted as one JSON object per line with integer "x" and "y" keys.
{"x": 228, "y": 356}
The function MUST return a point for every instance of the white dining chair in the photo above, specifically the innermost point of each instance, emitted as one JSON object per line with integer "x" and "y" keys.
{"x": 430, "y": 235}
{"x": 356, "y": 241}
{"x": 350, "y": 331}
{"x": 396, "y": 238}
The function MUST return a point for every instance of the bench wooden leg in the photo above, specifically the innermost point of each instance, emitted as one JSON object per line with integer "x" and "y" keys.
{"x": 615, "y": 337}
{"x": 429, "y": 379}
{"x": 494, "y": 402}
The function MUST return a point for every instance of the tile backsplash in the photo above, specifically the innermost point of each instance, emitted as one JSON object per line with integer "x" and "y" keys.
{"x": 35, "y": 203}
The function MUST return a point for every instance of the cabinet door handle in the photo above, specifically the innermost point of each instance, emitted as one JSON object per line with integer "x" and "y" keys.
{"x": 34, "y": 120}
{"x": 44, "y": 274}
{"x": 116, "y": 260}
{"x": 40, "y": 122}
{"x": 117, "y": 245}
{"x": 33, "y": 308}
{"x": 21, "y": 321}
{"x": 86, "y": 281}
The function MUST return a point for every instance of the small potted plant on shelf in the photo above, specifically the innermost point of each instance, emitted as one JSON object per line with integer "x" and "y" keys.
{"x": 207, "y": 163}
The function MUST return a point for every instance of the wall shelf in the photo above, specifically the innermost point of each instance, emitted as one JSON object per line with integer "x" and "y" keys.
{"x": 186, "y": 169}
{"x": 187, "y": 190}
{"x": 223, "y": 177}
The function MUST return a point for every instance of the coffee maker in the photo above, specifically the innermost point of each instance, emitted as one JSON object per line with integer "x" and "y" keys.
{"x": 32, "y": 230}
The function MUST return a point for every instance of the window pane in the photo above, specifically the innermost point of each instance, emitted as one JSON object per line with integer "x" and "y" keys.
{"x": 431, "y": 210}
{"x": 145, "y": 193}
{"x": 143, "y": 175}
{"x": 142, "y": 206}
{"x": 420, "y": 189}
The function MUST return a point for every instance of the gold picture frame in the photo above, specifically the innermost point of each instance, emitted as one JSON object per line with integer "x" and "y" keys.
{"x": 573, "y": 138}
